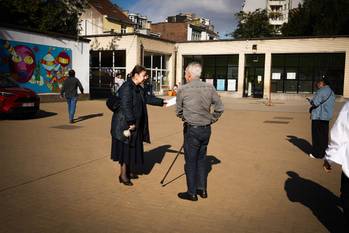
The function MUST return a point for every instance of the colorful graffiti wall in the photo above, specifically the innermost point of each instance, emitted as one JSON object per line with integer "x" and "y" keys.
{"x": 41, "y": 68}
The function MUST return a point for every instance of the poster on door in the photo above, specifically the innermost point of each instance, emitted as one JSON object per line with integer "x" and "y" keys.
{"x": 220, "y": 84}
{"x": 231, "y": 85}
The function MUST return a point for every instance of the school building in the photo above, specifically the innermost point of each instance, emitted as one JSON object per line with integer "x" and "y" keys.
{"x": 285, "y": 67}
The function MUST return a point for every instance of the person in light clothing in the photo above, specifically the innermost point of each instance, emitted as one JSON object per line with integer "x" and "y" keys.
{"x": 321, "y": 113}
{"x": 338, "y": 152}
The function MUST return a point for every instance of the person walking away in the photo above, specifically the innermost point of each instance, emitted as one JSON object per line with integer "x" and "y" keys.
{"x": 70, "y": 92}
{"x": 321, "y": 109}
{"x": 193, "y": 106}
{"x": 338, "y": 152}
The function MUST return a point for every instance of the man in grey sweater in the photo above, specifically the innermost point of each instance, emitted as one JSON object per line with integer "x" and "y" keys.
{"x": 70, "y": 92}
{"x": 194, "y": 102}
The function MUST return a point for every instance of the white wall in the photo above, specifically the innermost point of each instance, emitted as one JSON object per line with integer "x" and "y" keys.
{"x": 267, "y": 47}
{"x": 132, "y": 45}
{"x": 91, "y": 22}
{"x": 80, "y": 50}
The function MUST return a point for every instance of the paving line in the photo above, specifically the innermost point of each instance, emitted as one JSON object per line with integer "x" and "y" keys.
{"x": 52, "y": 174}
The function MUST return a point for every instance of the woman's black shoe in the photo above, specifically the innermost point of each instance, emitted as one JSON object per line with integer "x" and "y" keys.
{"x": 187, "y": 196}
{"x": 133, "y": 176}
{"x": 127, "y": 182}
{"x": 202, "y": 193}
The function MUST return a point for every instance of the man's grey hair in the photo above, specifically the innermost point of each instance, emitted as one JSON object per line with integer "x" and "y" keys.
{"x": 195, "y": 69}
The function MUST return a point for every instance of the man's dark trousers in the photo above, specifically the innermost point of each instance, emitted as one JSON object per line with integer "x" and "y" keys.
{"x": 196, "y": 139}
{"x": 319, "y": 131}
{"x": 345, "y": 196}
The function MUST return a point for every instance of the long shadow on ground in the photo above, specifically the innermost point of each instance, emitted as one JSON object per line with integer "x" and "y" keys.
{"x": 210, "y": 160}
{"x": 86, "y": 117}
{"x": 301, "y": 143}
{"x": 154, "y": 156}
{"x": 40, "y": 114}
{"x": 321, "y": 201}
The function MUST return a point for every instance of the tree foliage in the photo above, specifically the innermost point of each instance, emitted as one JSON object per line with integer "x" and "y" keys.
{"x": 253, "y": 25}
{"x": 61, "y": 16}
{"x": 313, "y": 17}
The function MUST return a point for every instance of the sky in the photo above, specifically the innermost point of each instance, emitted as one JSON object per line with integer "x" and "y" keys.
{"x": 220, "y": 12}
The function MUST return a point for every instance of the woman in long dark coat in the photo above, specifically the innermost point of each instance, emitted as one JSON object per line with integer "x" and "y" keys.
{"x": 132, "y": 115}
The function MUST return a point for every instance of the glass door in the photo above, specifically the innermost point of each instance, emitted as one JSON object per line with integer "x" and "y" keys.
{"x": 254, "y": 76}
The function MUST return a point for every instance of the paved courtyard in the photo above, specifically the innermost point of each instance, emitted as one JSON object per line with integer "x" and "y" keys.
{"x": 57, "y": 177}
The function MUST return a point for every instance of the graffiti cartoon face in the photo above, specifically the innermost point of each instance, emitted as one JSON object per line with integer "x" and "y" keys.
{"x": 63, "y": 59}
{"x": 22, "y": 63}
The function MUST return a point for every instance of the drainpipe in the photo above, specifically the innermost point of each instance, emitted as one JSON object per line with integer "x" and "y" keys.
{"x": 142, "y": 55}
{"x": 175, "y": 65}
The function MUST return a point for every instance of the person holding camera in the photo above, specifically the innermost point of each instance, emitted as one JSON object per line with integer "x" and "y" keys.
{"x": 321, "y": 111}
{"x": 129, "y": 127}
{"x": 193, "y": 106}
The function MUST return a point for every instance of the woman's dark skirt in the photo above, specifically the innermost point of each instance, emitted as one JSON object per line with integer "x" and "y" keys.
{"x": 131, "y": 154}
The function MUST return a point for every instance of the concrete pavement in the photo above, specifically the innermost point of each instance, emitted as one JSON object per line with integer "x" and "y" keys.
{"x": 57, "y": 177}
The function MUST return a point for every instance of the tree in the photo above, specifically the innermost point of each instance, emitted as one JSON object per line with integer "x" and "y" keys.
{"x": 60, "y": 16}
{"x": 253, "y": 25}
{"x": 313, "y": 17}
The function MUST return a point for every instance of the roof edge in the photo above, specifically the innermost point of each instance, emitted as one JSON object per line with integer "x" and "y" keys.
{"x": 51, "y": 34}
{"x": 130, "y": 34}
{"x": 270, "y": 38}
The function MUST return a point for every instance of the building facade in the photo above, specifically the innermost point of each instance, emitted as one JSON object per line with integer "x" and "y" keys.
{"x": 277, "y": 67}
{"x": 185, "y": 27}
{"x": 278, "y": 11}
{"x": 104, "y": 17}
{"x": 285, "y": 67}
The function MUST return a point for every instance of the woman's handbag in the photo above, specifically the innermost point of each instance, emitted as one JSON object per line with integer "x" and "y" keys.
{"x": 113, "y": 103}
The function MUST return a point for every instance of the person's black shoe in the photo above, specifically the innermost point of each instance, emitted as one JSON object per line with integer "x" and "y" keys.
{"x": 132, "y": 176}
{"x": 125, "y": 182}
{"x": 71, "y": 121}
{"x": 202, "y": 193}
{"x": 187, "y": 196}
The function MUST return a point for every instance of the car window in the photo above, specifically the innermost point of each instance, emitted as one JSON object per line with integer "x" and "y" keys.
{"x": 6, "y": 83}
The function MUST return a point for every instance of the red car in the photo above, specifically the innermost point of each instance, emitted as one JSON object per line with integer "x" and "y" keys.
{"x": 17, "y": 100}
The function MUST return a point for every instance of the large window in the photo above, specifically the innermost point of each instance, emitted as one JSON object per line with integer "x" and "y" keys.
{"x": 297, "y": 73}
{"x": 219, "y": 70}
{"x": 104, "y": 65}
{"x": 156, "y": 65}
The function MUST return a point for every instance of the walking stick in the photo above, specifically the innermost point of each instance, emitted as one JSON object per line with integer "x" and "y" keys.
{"x": 168, "y": 171}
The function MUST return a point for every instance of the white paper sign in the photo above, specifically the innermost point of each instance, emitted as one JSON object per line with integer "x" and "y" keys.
{"x": 276, "y": 76}
{"x": 171, "y": 102}
{"x": 210, "y": 81}
{"x": 291, "y": 75}
{"x": 231, "y": 85}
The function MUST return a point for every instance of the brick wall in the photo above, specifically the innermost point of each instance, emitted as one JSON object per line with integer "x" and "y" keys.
{"x": 171, "y": 31}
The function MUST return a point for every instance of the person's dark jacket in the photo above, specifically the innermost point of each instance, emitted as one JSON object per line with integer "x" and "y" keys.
{"x": 132, "y": 108}
{"x": 70, "y": 86}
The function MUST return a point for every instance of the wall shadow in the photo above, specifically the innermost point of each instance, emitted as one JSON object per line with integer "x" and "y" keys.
{"x": 86, "y": 117}
{"x": 301, "y": 143}
{"x": 322, "y": 202}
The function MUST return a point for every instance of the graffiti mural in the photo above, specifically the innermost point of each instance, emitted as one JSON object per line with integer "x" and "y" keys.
{"x": 41, "y": 68}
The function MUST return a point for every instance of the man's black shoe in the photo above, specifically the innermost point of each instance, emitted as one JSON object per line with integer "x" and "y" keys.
{"x": 202, "y": 193}
{"x": 187, "y": 196}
